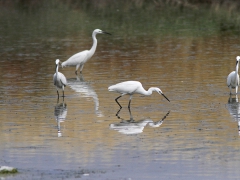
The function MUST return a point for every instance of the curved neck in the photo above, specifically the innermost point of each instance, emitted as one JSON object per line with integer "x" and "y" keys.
{"x": 236, "y": 72}
{"x": 237, "y": 67}
{"x": 94, "y": 46}
{"x": 56, "y": 69}
{"x": 149, "y": 91}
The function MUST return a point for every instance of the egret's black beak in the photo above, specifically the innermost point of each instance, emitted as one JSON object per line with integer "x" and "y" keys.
{"x": 165, "y": 97}
{"x": 106, "y": 33}
{"x": 236, "y": 62}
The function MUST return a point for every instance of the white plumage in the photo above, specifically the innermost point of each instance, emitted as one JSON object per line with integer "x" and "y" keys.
{"x": 81, "y": 58}
{"x": 132, "y": 87}
{"x": 59, "y": 80}
{"x": 233, "y": 78}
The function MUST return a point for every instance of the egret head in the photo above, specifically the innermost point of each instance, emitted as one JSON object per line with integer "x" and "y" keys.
{"x": 238, "y": 58}
{"x": 160, "y": 92}
{"x": 99, "y": 31}
{"x": 57, "y": 61}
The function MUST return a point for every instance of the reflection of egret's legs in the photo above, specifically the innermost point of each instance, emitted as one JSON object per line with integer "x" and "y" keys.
{"x": 58, "y": 93}
{"x": 118, "y": 113}
{"x": 80, "y": 78}
{"x": 130, "y": 113}
{"x": 230, "y": 99}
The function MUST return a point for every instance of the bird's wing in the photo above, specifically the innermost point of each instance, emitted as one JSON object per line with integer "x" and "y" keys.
{"x": 62, "y": 79}
{"x": 127, "y": 87}
{"x": 76, "y": 59}
{"x": 230, "y": 77}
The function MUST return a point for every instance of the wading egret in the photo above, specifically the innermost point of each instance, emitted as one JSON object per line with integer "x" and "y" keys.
{"x": 81, "y": 58}
{"x": 132, "y": 87}
{"x": 233, "y": 78}
{"x": 59, "y": 80}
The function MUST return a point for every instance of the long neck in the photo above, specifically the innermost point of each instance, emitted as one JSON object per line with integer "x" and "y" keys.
{"x": 56, "y": 69}
{"x": 149, "y": 91}
{"x": 236, "y": 72}
{"x": 94, "y": 46}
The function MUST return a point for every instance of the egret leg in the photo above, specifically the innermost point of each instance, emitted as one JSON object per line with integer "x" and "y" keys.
{"x": 118, "y": 102}
{"x": 63, "y": 90}
{"x": 81, "y": 68}
{"x": 57, "y": 92}
{"x": 230, "y": 90}
{"x": 77, "y": 66}
{"x": 129, "y": 102}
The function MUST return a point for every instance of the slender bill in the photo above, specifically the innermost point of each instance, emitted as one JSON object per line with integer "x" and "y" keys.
{"x": 166, "y": 97}
{"x": 106, "y": 33}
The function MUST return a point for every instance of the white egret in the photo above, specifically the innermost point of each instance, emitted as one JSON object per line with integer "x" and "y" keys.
{"x": 132, "y": 87}
{"x": 81, "y": 58}
{"x": 233, "y": 78}
{"x": 59, "y": 80}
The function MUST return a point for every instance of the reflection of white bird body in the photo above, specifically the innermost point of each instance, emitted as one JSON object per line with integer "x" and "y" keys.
{"x": 132, "y": 87}
{"x": 85, "y": 90}
{"x": 59, "y": 80}
{"x": 60, "y": 113}
{"x": 233, "y": 107}
{"x": 135, "y": 127}
{"x": 130, "y": 127}
{"x": 233, "y": 78}
{"x": 81, "y": 58}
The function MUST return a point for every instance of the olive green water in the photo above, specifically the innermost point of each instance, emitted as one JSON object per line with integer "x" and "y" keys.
{"x": 195, "y": 136}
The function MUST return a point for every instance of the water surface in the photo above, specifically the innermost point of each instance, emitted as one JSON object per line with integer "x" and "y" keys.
{"x": 194, "y": 136}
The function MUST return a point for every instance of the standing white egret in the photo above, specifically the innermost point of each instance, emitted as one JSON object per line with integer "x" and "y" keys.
{"x": 233, "y": 78}
{"x": 59, "y": 80}
{"x": 81, "y": 58}
{"x": 132, "y": 87}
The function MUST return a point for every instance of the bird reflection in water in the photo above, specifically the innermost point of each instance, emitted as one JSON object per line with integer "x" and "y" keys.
{"x": 234, "y": 109}
{"x": 60, "y": 113}
{"x": 85, "y": 90}
{"x": 135, "y": 127}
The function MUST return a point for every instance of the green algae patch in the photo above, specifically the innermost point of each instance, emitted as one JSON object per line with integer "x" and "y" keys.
{"x": 8, "y": 170}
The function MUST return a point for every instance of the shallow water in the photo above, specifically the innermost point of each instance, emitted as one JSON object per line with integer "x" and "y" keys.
{"x": 194, "y": 136}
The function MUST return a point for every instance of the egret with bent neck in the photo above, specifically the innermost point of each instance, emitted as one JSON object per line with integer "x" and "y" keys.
{"x": 132, "y": 87}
